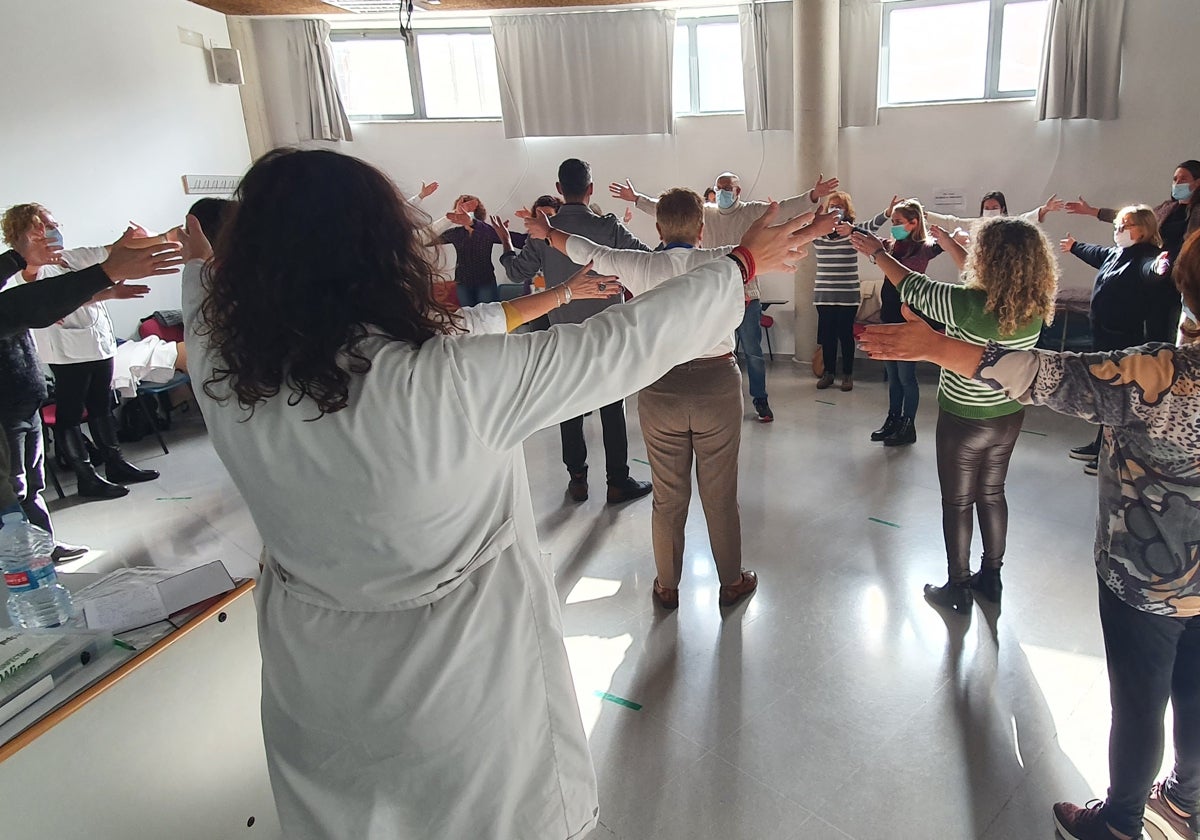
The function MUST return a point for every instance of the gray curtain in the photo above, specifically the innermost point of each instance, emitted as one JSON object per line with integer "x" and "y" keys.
{"x": 319, "y": 111}
{"x": 585, "y": 73}
{"x": 767, "y": 65}
{"x": 861, "y": 27}
{"x": 1081, "y": 60}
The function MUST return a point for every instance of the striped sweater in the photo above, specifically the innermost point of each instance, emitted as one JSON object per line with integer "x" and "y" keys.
{"x": 837, "y": 268}
{"x": 961, "y": 309}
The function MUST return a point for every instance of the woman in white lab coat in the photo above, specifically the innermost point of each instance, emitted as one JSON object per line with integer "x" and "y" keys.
{"x": 415, "y": 681}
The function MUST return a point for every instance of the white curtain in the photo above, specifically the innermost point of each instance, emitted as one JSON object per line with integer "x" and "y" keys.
{"x": 767, "y": 65}
{"x": 861, "y": 26}
{"x": 319, "y": 111}
{"x": 1081, "y": 60}
{"x": 585, "y": 73}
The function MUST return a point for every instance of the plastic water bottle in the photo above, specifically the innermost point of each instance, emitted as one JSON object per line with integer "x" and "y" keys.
{"x": 35, "y": 597}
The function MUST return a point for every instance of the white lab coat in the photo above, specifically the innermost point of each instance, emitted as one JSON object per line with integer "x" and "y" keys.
{"x": 86, "y": 335}
{"x": 415, "y": 681}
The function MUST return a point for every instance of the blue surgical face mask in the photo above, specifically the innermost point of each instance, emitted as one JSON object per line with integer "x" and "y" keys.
{"x": 899, "y": 233}
{"x": 1181, "y": 192}
{"x": 54, "y": 237}
{"x": 726, "y": 199}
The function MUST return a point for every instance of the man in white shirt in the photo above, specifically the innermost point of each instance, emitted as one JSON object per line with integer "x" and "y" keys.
{"x": 696, "y": 408}
{"x": 724, "y": 224}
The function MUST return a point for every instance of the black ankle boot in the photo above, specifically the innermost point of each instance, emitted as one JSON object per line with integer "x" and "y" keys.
{"x": 89, "y": 485}
{"x": 116, "y": 468}
{"x": 889, "y": 426}
{"x": 951, "y": 596}
{"x": 904, "y": 435}
{"x": 987, "y": 583}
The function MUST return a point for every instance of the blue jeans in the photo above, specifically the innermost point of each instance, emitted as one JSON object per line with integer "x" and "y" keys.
{"x": 903, "y": 392}
{"x": 471, "y": 295}
{"x": 750, "y": 333}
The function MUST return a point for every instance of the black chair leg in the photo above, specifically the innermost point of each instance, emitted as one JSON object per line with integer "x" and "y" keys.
{"x": 153, "y": 424}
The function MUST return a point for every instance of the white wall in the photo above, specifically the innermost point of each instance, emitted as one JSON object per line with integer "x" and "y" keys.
{"x": 105, "y": 109}
{"x": 913, "y": 151}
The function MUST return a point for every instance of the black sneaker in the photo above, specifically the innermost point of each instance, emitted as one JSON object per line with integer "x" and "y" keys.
{"x": 1164, "y": 818}
{"x": 1092, "y": 467}
{"x": 65, "y": 551}
{"x": 952, "y": 596}
{"x": 578, "y": 487}
{"x": 987, "y": 583}
{"x": 764, "y": 410}
{"x": 1086, "y": 453}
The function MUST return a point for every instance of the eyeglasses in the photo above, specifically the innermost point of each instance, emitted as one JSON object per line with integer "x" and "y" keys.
{"x": 1121, "y": 227}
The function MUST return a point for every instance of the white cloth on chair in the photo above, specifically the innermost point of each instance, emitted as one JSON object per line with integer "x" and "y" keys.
{"x": 149, "y": 360}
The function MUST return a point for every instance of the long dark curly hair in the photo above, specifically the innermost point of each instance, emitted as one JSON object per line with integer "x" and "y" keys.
{"x": 318, "y": 252}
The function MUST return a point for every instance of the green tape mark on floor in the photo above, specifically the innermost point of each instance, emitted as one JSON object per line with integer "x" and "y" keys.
{"x": 1032, "y": 432}
{"x": 173, "y": 498}
{"x": 826, "y": 402}
{"x": 620, "y": 701}
{"x": 883, "y": 522}
{"x": 640, "y": 461}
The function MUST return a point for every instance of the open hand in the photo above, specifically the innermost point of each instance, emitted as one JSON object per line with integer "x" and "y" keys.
{"x": 823, "y": 187}
{"x": 1065, "y": 245}
{"x": 194, "y": 244}
{"x": 866, "y": 243}
{"x": 501, "y": 228}
{"x": 776, "y": 247}
{"x": 538, "y": 226}
{"x": 907, "y": 342}
{"x": 36, "y": 249}
{"x": 585, "y": 285}
{"x": 428, "y": 189}
{"x": 1081, "y": 208}
{"x": 1053, "y": 205}
{"x": 628, "y": 217}
{"x": 1162, "y": 264}
{"x": 891, "y": 208}
{"x": 625, "y": 191}
{"x": 941, "y": 236}
{"x": 123, "y": 291}
{"x": 127, "y": 263}
{"x": 843, "y": 228}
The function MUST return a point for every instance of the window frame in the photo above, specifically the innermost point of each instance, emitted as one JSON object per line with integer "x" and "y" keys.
{"x": 413, "y": 54}
{"x": 991, "y": 84}
{"x": 692, "y": 24}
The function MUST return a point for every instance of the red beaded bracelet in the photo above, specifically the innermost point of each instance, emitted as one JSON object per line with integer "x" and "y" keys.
{"x": 746, "y": 259}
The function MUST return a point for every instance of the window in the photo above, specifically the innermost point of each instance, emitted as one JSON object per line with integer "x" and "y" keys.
{"x": 943, "y": 50}
{"x": 450, "y": 74}
{"x": 708, "y": 66}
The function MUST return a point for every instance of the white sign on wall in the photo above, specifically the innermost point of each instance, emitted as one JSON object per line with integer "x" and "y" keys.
{"x": 949, "y": 199}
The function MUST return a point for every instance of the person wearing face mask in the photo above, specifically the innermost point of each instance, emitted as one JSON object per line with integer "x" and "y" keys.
{"x": 837, "y": 292}
{"x": 994, "y": 204}
{"x": 912, "y": 247}
{"x": 1177, "y": 220}
{"x": 1129, "y": 272}
{"x": 724, "y": 224}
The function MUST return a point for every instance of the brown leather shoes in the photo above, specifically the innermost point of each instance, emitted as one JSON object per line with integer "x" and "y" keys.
{"x": 668, "y": 599}
{"x": 578, "y": 487}
{"x": 735, "y": 592}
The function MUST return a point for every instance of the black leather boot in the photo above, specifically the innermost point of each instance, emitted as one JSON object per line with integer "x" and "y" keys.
{"x": 889, "y": 426}
{"x": 116, "y": 468}
{"x": 90, "y": 485}
{"x": 904, "y": 435}
{"x": 951, "y": 596}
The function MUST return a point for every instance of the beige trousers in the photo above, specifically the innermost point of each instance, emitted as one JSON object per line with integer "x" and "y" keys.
{"x": 695, "y": 408}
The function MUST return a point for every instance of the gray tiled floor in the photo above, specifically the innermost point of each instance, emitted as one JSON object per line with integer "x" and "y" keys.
{"x": 835, "y": 703}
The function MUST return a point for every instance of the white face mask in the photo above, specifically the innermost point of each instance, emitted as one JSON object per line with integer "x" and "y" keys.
{"x": 1123, "y": 238}
{"x": 992, "y": 213}
{"x": 1189, "y": 314}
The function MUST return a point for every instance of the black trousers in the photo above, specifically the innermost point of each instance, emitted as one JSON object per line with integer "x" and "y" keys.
{"x": 1151, "y": 659}
{"x": 82, "y": 385}
{"x": 835, "y": 328}
{"x": 616, "y": 443}
{"x": 972, "y": 461}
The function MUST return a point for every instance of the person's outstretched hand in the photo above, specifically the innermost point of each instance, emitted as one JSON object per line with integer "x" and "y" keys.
{"x": 195, "y": 244}
{"x": 775, "y": 247}
{"x": 866, "y": 243}
{"x": 538, "y": 225}
{"x": 1081, "y": 208}
{"x": 128, "y": 263}
{"x": 36, "y": 249}
{"x": 123, "y": 291}
{"x": 1065, "y": 245}
{"x": 625, "y": 191}
{"x": 501, "y": 228}
{"x": 824, "y": 186}
{"x": 588, "y": 286}
{"x": 907, "y": 342}
{"x": 428, "y": 189}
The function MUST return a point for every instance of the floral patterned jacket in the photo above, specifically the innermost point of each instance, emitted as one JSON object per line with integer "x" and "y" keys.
{"x": 1148, "y": 399}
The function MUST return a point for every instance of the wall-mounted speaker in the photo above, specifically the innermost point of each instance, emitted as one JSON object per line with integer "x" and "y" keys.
{"x": 227, "y": 66}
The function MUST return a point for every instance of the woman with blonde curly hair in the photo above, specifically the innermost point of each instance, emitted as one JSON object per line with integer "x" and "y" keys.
{"x": 1011, "y": 280}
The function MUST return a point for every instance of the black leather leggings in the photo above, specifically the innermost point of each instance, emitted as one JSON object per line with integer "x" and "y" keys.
{"x": 972, "y": 460}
